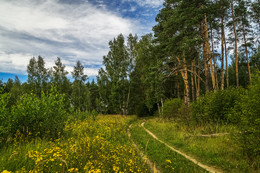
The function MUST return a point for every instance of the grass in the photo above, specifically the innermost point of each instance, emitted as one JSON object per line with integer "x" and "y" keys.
{"x": 221, "y": 151}
{"x": 166, "y": 160}
{"x": 100, "y": 145}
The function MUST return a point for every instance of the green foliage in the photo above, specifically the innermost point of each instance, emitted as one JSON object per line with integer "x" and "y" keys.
{"x": 114, "y": 86}
{"x": 4, "y": 111}
{"x": 171, "y": 108}
{"x": 43, "y": 117}
{"x": 37, "y": 75}
{"x": 217, "y": 106}
{"x": 80, "y": 96}
{"x": 248, "y": 109}
{"x": 142, "y": 110}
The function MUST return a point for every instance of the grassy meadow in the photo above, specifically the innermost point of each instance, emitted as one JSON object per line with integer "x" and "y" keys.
{"x": 223, "y": 151}
{"x": 99, "y": 145}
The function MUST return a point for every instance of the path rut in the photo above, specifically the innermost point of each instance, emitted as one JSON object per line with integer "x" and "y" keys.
{"x": 151, "y": 164}
{"x": 206, "y": 167}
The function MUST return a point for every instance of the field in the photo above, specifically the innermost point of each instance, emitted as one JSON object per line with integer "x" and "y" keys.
{"x": 219, "y": 150}
{"x": 99, "y": 145}
{"x": 102, "y": 144}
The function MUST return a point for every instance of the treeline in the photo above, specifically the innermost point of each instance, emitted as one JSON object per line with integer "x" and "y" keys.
{"x": 187, "y": 57}
{"x": 77, "y": 94}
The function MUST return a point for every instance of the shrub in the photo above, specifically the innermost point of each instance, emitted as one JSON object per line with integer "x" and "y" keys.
{"x": 185, "y": 114}
{"x": 217, "y": 106}
{"x": 171, "y": 108}
{"x": 43, "y": 117}
{"x": 249, "y": 111}
{"x": 142, "y": 110}
{"x": 4, "y": 111}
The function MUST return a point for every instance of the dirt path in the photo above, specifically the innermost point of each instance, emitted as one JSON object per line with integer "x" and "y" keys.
{"x": 208, "y": 168}
{"x": 209, "y": 135}
{"x": 151, "y": 164}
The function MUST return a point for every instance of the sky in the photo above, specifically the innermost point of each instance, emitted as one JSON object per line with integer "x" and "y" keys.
{"x": 70, "y": 29}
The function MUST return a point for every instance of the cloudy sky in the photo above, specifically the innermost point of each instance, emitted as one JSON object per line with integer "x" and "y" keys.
{"x": 70, "y": 29}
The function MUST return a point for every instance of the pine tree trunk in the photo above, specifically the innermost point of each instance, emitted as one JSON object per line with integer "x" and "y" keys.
{"x": 224, "y": 40}
{"x": 208, "y": 52}
{"x": 177, "y": 83}
{"x": 222, "y": 49}
{"x": 206, "y": 67}
{"x": 198, "y": 85}
{"x": 192, "y": 81}
{"x": 196, "y": 78}
{"x": 215, "y": 72}
{"x": 235, "y": 34}
{"x": 178, "y": 89}
{"x": 247, "y": 58}
{"x": 213, "y": 58}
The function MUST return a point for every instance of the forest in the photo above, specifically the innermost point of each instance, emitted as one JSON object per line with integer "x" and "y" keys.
{"x": 198, "y": 72}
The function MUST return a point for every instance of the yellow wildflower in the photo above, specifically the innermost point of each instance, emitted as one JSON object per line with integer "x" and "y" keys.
{"x": 5, "y": 171}
{"x": 73, "y": 170}
{"x": 168, "y": 161}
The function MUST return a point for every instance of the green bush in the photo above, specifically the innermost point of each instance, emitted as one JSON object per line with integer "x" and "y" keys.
{"x": 142, "y": 110}
{"x": 217, "y": 106}
{"x": 42, "y": 117}
{"x": 248, "y": 109}
{"x": 4, "y": 121}
{"x": 171, "y": 108}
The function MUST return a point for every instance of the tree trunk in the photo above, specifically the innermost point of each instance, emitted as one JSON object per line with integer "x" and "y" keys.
{"x": 224, "y": 40}
{"x": 192, "y": 81}
{"x": 177, "y": 83}
{"x": 178, "y": 89}
{"x": 128, "y": 98}
{"x": 198, "y": 85}
{"x": 247, "y": 58}
{"x": 214, "y": 62}
{"x": 159, "y": 109}
{"x": 208, "y": 52}
{"x": 222, "y": 49}
{"x": 205, "y": 58}
{"x": 186, "y": 82}
{"x": 235, "y": 34}
{"x": 162, "y": 106}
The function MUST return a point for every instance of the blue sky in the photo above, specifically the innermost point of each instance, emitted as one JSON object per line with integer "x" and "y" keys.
{"x": 70, "y": 29}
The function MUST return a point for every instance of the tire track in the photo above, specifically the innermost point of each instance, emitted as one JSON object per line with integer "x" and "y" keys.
{"x": 206, "y": 167}
{"x": 150, "y": 164}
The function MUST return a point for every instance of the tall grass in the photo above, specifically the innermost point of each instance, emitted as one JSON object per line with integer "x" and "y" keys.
{"x": 221, "y": 151}
{"x": 99, "y": 145}
{"x": 163, "y": 157}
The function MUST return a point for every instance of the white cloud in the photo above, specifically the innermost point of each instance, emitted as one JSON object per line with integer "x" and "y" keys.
{"x": 50, "y": 29}
{"x": 150, "y": 3}
{"x": 17, "y": 63}
{"x": 11, "y": 63}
